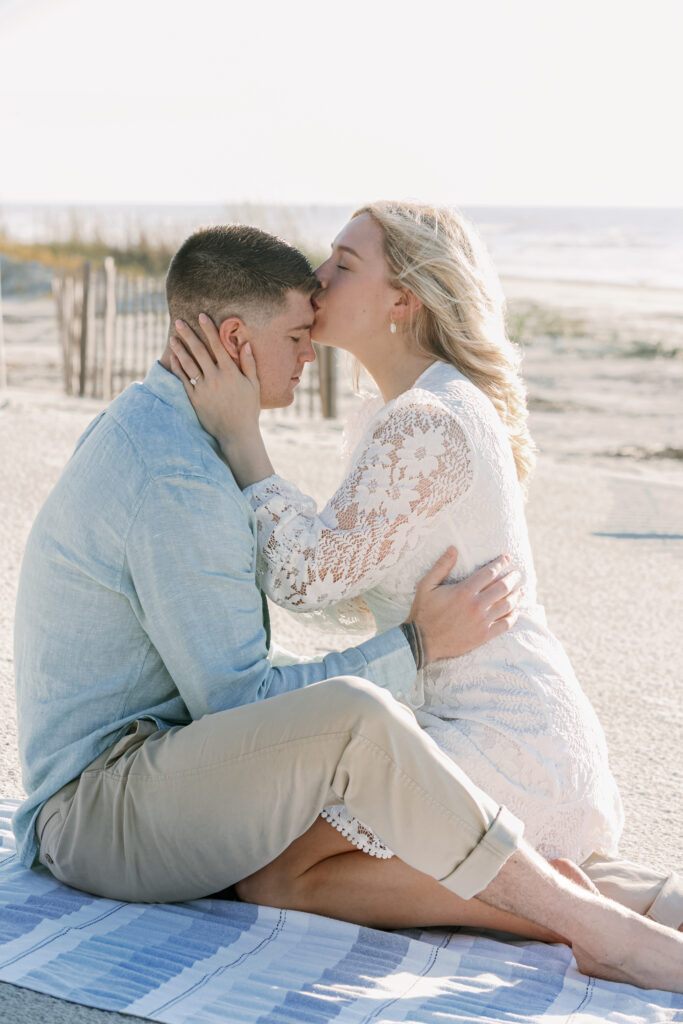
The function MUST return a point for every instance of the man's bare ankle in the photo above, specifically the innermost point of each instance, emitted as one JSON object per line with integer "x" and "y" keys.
{"x": 528, "y": 886}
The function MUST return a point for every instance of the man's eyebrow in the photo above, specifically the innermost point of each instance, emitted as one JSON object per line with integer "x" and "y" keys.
{"x": 302, "y": 327}
{"x": 347, "y": 248}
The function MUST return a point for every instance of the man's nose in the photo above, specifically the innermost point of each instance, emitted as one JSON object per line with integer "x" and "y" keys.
{"x": 307, "y": 355}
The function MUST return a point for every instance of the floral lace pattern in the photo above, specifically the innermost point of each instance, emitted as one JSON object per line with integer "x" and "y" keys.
{"x": 356, "y": 832}
{"x": 433, "y": 468}
{"x": 416, "y": 460}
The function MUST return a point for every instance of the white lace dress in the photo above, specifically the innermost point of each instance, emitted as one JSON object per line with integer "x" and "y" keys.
{"x": 432, "y": 468}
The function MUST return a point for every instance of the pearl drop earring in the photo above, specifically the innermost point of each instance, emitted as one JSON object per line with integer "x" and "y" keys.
{"x": 392, "y": 327}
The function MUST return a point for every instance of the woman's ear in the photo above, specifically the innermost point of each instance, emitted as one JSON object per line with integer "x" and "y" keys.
{"x": 406, "y": 305}
{"x": 232, "y": 333}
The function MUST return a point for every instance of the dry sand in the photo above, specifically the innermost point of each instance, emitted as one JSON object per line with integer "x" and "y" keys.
{"x": 605, "y": 514}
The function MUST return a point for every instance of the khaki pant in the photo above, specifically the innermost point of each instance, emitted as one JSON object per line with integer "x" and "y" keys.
{"x": 179, "y": 814}
{"x": 183, "y": 813}
{"x": 655, "y": 894}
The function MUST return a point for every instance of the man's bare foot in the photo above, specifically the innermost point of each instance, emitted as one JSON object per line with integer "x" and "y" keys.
{"x": 608, "y": 941}
{"x": 628, "y": 962}
{"x": 633, "y": 950}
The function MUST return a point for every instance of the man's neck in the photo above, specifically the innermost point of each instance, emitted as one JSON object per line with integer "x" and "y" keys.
{"x": 165, "y": 359}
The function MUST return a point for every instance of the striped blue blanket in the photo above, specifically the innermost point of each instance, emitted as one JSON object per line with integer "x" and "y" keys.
{"x": 211, "y": 961}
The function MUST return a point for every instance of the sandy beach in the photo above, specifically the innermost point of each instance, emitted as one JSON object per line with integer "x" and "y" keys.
{"x": 604, "y": 366}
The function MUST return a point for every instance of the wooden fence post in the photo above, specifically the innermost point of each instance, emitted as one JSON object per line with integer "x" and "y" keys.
{"x": 85, "y": 310}
{"x": 63, "y": 291}
{"x": 73, "y": 326}
{"x": 109, "y": 325}
{"x": 3, "y": 363}
{"x": 58, "y": 295}
{"x": 328, "y": 383}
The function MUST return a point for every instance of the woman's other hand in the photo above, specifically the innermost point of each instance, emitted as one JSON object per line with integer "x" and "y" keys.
{"x": 223, "y": 390}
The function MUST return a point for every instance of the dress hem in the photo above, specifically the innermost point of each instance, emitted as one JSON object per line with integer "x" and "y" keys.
{"x": 357, "y": 841}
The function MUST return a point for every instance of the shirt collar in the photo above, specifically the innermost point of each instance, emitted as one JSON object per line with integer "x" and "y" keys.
{"x": 168, "y": 389}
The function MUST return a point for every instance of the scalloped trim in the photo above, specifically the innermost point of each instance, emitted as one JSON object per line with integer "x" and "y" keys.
{"x": 383, "y": 853}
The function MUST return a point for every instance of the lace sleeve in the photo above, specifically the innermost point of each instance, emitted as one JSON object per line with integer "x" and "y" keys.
{"x": 413, "y": 459}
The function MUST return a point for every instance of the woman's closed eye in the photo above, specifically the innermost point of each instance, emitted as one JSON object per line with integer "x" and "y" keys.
{"x": 340, "y": 267}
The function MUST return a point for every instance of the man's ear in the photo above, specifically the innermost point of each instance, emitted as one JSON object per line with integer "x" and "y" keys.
{"x": 233, "y": 334}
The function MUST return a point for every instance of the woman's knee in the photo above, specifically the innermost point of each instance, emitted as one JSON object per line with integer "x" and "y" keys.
{"x": 272, "y": 886}
{"x": 287, "y": 880}
{"x": 253, "y": 889}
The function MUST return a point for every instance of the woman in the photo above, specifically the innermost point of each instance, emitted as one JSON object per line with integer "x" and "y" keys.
{"x": 443, "y": 462}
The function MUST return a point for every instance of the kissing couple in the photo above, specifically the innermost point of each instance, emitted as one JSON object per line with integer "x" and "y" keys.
{"x": 167, "y": 756}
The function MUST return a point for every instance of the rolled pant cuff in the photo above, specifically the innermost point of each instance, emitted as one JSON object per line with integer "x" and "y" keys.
{"x": 667, "y": 908}
{"x": 484, "y": 862}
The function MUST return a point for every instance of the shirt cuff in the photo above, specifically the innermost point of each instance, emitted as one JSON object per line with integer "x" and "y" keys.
{"x": 253, "y": 492}
{"x": 390, "y": 662}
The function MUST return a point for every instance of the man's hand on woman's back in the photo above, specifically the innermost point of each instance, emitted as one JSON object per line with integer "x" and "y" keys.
{"x": 454, "y": 618}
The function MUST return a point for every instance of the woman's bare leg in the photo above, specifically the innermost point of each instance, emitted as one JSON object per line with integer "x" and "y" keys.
{"x": 317, "y": 873}
{"x": 322, "y": 873}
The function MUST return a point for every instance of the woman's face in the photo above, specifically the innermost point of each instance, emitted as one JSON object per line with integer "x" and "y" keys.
{"x": 354, "y": 305}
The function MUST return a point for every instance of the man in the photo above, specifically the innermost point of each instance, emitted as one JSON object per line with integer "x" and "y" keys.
{"x": 155, "y": 770}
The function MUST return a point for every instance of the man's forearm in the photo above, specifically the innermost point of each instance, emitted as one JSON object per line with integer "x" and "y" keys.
{"x": 385, "y": 660}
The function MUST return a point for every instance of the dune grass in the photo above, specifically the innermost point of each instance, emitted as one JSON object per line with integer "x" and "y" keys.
{"x": 143, "y": 257}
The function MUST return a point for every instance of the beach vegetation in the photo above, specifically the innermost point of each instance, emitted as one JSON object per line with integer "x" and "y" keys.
{"x": 527, "y": 321}
{"x": 651, "y": 349}
{"x": 139, "y": 257}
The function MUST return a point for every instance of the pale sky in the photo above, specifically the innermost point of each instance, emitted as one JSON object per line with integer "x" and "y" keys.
{"x": 477, "y": 102}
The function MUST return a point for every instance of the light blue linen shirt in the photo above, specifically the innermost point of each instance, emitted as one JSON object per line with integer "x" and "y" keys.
{"x": 137, "y": 597}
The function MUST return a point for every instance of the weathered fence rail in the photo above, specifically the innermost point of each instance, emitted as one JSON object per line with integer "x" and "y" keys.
{"x": 112, "y": 326}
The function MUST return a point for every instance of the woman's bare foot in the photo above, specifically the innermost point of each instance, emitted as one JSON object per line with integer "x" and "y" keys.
{"x": 574, "y": 873}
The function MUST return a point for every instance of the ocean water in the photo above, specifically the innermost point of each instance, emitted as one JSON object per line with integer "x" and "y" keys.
{"x": 631, "y": 246}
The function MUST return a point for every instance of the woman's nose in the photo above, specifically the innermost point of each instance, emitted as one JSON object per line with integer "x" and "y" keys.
{"x": 320, "y": 273}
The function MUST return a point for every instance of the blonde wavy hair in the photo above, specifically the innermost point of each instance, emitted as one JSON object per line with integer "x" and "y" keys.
{"x": 437, "y": 255}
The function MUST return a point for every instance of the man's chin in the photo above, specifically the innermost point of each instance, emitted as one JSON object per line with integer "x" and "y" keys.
{"x": 278, "y": 403}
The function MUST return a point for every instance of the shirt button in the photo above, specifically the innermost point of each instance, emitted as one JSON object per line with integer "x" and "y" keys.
{"x": 400, "y": 695}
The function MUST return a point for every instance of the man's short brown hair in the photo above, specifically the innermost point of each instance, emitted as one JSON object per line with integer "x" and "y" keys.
{"x": 234, "y": 270}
